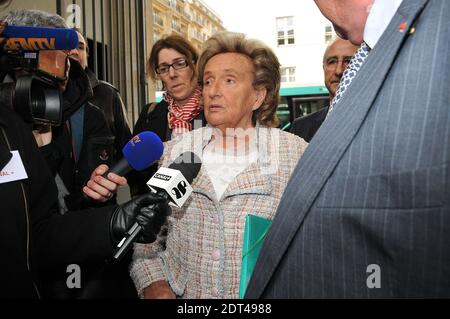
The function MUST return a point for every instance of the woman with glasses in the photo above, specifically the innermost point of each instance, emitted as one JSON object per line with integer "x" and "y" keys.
{"x": 173, "y": 62}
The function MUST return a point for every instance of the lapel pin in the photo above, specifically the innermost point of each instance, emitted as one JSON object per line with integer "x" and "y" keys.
{"x": 402, "y": 27}
{"x": 412, "y": 30}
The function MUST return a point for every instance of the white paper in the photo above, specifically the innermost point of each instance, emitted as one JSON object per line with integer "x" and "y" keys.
{"x": 14, "y": 170}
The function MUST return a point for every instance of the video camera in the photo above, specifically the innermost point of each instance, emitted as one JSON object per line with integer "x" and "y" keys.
{"x": 40, "y": 57}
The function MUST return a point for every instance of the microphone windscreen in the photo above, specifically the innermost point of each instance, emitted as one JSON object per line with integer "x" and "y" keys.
{"x": 143, "y": 150}
{"x": 57, "y": 38}
{"x": 188, "y": 164}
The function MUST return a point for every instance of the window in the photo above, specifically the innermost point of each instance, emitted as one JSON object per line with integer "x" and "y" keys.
{"x": 287, "y": 75}
{"x": 156, "y": 36}
{"x": 173, "y": 3}
{"x": 176, "y": 26}
{"x": 285, "y": 31}
{"x": 328, "y": 33}
{"x": 157, "y": 18}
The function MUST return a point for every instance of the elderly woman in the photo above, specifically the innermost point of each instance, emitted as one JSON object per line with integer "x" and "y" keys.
{"x": 246, "y": 164}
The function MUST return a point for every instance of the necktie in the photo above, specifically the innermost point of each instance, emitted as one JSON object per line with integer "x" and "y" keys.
{"x": 349, "y": 73}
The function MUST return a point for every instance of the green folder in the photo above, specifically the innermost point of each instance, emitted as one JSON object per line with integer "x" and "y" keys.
{"x": 256, "y": 229}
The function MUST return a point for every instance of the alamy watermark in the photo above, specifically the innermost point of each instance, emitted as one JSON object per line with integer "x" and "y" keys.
{"x": 374, "y": 278}
{"x": 73, "y": 281}
{"x": 73, "y": 19}
{"x": 234, "y": 146}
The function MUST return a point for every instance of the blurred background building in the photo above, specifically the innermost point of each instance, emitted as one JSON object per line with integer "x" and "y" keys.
{"x": 192, "y": 19}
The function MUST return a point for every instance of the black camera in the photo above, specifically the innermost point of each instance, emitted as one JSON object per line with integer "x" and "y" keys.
{"x": 33, "y": 64}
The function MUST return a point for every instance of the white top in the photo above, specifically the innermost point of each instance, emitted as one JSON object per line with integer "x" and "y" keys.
{"x": 223, "y": 166}
{"x": 380, "y": 16}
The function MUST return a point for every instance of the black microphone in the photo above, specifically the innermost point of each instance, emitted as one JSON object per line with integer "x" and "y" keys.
{"x": 173, "y": 183}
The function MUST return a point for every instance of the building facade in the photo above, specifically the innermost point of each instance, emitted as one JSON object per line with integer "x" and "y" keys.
{"x": 191, "y": 19}
{"x": 299, "y": 35}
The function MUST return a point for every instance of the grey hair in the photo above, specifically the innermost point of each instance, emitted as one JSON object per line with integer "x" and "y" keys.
{"x": 327, "y": 49}
{"x": 34, "y": 18}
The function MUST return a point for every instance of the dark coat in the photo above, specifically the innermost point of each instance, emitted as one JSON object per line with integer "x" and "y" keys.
{"x": 97, "y": 143}
{"x": 307, "y": 126}
{"x": 108, "y": 99}
{"x": 28, "y": 216}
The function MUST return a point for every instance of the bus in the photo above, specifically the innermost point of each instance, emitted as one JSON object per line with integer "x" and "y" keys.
{"x": 300, "y": 101}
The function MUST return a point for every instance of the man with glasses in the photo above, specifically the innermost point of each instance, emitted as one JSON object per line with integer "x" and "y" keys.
{"x": 335, "y": 61}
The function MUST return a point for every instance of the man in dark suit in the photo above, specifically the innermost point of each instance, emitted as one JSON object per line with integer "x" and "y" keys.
{"x": 367, "y": 212}
{"x": 335, "y": 61}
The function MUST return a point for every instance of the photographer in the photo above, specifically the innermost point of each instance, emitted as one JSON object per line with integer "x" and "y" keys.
{"x": 33, "y": 236}
{"x": 84, "y": 141}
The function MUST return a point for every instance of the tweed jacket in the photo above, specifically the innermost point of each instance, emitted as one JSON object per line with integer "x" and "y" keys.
{"x": 201, "y": 255}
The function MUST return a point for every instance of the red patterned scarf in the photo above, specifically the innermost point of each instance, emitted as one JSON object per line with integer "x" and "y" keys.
{"x": 180, "y": 117}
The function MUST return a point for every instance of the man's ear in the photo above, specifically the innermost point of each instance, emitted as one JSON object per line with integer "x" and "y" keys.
{"x": 260, "y": 95}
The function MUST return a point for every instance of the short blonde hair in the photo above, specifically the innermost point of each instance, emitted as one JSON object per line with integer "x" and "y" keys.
{"x": 266, "y": 64}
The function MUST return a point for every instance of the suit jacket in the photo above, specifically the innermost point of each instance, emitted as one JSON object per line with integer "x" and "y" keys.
{"x": 307, "y": 126}
{"x": 201, "y": 257}
{"x": 368, "y": 204}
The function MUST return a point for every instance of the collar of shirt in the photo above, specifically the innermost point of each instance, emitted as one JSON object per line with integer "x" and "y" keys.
{"x": 380, "y": 16}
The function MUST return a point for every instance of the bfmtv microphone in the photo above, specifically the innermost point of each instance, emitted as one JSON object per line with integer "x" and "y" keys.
{"x": 138, "y": 154}
{"x": 173, "y": 184}
{"x": 20, "y": 38}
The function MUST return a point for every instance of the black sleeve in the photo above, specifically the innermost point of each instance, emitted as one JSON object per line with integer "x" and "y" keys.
{"x": 56, "y": 239}
{"x": 53, "y": 156}
{"x": 97, "y": 149}
{"x": 141, "y": 124}
{"x": 137, "y": 180}
{"x": 121, "y": 127}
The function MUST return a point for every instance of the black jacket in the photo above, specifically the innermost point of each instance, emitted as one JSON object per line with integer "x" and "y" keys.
{"x": 32, "y": 235}
{"x": 97, "y": 143}
{"x": 307, "y": 126}
{"x": 155, "y": 121}
{"x": 108, "y": 99}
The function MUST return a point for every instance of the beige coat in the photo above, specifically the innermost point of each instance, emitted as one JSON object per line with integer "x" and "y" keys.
{"x": 201, "y": 255}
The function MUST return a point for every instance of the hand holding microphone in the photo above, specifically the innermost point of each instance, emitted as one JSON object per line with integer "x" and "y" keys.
{"x": 138, "y": 154}
{"x": 173, "y": 185}
{"x": 148, "y": 211}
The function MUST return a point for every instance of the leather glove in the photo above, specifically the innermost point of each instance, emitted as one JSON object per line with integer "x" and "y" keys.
{"x": 150, "y": 211}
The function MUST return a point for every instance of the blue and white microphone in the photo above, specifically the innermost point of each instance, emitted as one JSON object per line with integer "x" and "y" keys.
{"x": 138, "y": 154}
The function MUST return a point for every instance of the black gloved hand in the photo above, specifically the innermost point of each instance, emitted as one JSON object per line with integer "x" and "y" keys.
{"x": 149, "y": 211}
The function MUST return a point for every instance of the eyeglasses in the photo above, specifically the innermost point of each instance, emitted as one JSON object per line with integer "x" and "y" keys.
{"x": 332, "y": 63}
{"x": 177, "y": 65}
